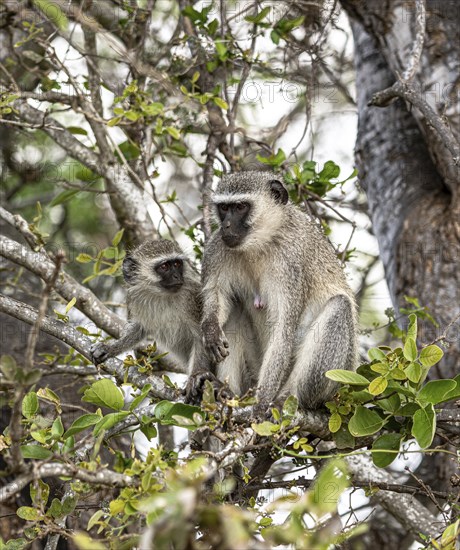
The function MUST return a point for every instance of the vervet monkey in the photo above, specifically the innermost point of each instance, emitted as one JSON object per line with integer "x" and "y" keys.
{"x": 164, "y": 302}
{"x": 271, "y": 258}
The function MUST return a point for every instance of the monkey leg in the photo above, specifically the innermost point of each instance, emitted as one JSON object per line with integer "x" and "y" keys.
{"x": 329, "y": 342}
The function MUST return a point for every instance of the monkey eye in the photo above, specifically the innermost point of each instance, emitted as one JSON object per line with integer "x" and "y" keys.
{"x": 177, "y": 263}
{"x": 223, "y": 207}
{"x": 242, "y": 206}
{"x": 164, "y": 267}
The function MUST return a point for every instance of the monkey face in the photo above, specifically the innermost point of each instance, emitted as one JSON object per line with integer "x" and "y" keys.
{"x": 234, "y": 222}
{"x": 250, "y": 208}
{"x": 171, "y": 273}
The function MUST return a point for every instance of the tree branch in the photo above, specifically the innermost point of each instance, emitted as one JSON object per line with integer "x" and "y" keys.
{"x": 412, "y": 515}
{"x": 406, "y": 92}
{"x": 82, "y": 344}
{"x": 41, "y": 264}
{"x": 104, "y": 477}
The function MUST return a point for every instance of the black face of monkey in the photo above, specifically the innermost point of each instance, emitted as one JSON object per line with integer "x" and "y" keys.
{"x": 171, "y": 274}
{"x": 234, "y": 226}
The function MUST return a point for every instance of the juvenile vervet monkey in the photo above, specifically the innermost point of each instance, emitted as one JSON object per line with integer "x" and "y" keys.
{"x": 164, "y": 302}
{"x": 274, "y": 261}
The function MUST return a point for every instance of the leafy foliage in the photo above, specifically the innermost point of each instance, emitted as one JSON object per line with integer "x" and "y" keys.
{"x": 390, "y": 394}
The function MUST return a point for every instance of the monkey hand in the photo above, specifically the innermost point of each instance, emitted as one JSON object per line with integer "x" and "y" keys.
{"x": 195, "y": 386}
{"x": 99, "y": 353}
{"x": 214, "y": 339}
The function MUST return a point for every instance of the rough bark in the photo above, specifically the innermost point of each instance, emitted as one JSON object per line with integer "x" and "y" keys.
{"x": 409, "y": 176}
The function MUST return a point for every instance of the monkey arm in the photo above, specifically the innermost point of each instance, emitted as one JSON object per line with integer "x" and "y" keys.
{"x": 131, "y": 335}
{"x": 216, "y": 311}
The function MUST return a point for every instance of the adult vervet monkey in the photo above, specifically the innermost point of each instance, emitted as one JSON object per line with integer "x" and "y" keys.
{"x": 271, "y": 258}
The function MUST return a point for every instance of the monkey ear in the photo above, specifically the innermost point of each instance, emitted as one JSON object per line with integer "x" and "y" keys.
{"x": 279, "y": 192}
{"x": 129, "y": 269}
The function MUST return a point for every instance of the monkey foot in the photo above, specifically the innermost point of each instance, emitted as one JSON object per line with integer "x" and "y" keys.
{"x": 195, "y": 387}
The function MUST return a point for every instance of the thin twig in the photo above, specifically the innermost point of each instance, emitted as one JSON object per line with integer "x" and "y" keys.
{"x": 417, "y": 46}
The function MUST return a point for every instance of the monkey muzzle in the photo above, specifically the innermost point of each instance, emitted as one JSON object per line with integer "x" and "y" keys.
{"x": 231, "y": 240}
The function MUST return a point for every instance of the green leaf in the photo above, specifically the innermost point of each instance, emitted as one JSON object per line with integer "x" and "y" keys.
{"x": 109, "y": 421}
{"x": 131, "y": 115}
{"x": 386, "y": 442}
{"x": 287, "y": 25}
{"x": 409, "y": 409}
{"x": 68, "y": 505}
{"x": 70, "y": 305}
{"x": 35, "y": 451}
{"x": 30, "y": 405}
{"x": 413, "y": 372}
{"x": 221, "y": 103}
{"x": 391, "y": 404}
{"x": 347, "y": 377}
{"x": 221, "y": 50}
{"x": 290, "y": 406}
{"x": 82, "y": 423}
{"x": 28, "y": 513}
{"x": 76, "y": 130}
{"x": 55, "y": 509}
{"x": 84, "y": 258}
{"x": 8, "y": 366}
{"x": 114, "y": 121}
{"x": 118, "y": 236}
{"x": 273, "y": 160}
{"x": 49, "y": 395}
{"x": 398, "y": 374}
{"x": 173, "y": 132}
{"x": 330, "y": 170}
{"x": 410, "y": 349}
{"x": 436, "y": 391}
{"x": 57, "y": 429}
{"x": 165, "y": 411}
{"x": 53, "y": 13}
{"x": 328, "y": 486}
{"x": 149, "y": 430}
{"x": 376, "y": 353}
{"x": 39, "y": 495}
{"x": 105, "y": 394}
{"x": 68, "y": 445}
{"x": 381, "y": 368}
{"x": 431, "y": 355}
{"x": 378, "y": 385}
{"x": 364, "y": 422}
{"x": 455, "y": 392}
{"x": 93, "y": 520}
{"x": 275, "y": 37}
{"x": 412, "y": 329}
{"x": 335, "y": 422}
{"x": 64, "y": 196}
{"x": 139, "y": 398}
{"x": 343, "y": 438}
{"x": 424, "y": 426}
{"x": 259, "y": 17}
{"x": 85, "y": 542}
{"x": 265, "y": 428}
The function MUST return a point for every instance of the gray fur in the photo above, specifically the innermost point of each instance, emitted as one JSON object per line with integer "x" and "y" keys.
{"x": 173, "y": 320}
{"x": 290, "y": 267}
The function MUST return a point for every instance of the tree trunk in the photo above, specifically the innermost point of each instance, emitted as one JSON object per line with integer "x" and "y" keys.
{"x": 407, "y": 172}
{"x": 409, "y": 175}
